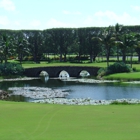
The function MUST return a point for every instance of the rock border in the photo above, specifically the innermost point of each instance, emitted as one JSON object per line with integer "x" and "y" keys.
{"x": 3, "y": 95}
{"x": 87, "y": 101}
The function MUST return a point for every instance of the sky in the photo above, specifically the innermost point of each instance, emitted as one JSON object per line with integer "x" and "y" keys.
{"x": 46, "y": 14}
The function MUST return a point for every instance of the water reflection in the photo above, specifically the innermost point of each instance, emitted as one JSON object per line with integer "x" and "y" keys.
{"x": 17, "y": 98}
{"x": 84, "y": 73}
{"x": 104, "y": 91}
{"x": 44, "y": 78}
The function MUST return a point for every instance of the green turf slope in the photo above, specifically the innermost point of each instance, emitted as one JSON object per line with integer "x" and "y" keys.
{"x": 30, "y": 121}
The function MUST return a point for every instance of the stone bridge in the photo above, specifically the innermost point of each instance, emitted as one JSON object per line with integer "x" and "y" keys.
{"x": 54, "y": 71}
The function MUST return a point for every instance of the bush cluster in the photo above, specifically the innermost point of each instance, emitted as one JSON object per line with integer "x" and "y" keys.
{"x": 120, "y": 103}
{"x": 118, "y": 67}
{"x": 11, "y": 69}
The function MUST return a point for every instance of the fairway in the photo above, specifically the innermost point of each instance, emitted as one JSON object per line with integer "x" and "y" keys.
{"x": 30, "y": 121}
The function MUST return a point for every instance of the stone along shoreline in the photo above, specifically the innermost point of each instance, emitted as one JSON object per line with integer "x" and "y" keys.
{"x": 58, "y": 96}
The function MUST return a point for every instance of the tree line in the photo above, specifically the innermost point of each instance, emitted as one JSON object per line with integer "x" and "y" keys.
{"x": 117, "y": 40}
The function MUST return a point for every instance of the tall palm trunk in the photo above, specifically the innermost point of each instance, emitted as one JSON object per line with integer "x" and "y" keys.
{"x": 123, "y": 56}
{"x": 139, "y": 57}
{"x": 60, "y": 57}
{"x": 107, "y": 55}
{"x": 117, "y": 53}
{"x": 91, "y": 58}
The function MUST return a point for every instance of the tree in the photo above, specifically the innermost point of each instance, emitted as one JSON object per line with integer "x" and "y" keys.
{"x": 80, "y": 37}
{"x": 138, "y": 46}
{"x": 50, "y": 42}
{"x": 21, "y": 45}
{"x": 132, "y": 45}
{"x": 93, "y": 45}
{"x": 127, "y": 43}
{"x": 108, "y": 40}
{"x": 64, "y": 41}
{"x": 6, "y": 46}
{"x": 118, "y": 30}
{"x": 123, "y": 44}
{"x": 36, "y": 40}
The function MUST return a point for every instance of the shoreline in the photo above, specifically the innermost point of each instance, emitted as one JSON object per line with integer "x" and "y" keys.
{"x": 58, "y": 96}
{"x": 19, "y": 79}
{"x": 86, "y": 101}
{"x": 73, "y": 79}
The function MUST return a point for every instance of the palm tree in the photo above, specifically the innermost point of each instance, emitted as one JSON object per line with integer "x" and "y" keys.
{"x": 138, "y": 46}
{"x": 132, "y": 45}
{"x": 118, "y": 30}
{"x": 22, "y": 46}
{"x": 35, "y": 39}
{"x": 107, "y": 39}
{"x": 93, "y": 45}
{"x": 127, "y": 43}
{"x": 6, "y": 46}
{"x": 122, "y": 43}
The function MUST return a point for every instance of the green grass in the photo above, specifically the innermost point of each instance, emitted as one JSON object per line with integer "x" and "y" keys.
{"x": 137, "y": 66}
{"x": 43, "y": 64}
{"x": 124, "y": 76}
{"x": 30, "y": 121}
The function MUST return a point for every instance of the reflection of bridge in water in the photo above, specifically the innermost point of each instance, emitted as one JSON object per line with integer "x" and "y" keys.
{"x": 54, "y": 71}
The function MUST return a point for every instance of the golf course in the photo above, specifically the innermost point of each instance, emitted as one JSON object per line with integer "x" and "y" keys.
{"x": 69, "y": 70}
{"x": 114, "y": 50}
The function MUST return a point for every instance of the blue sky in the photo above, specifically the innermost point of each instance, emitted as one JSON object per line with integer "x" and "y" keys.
{"x": 45, "y": 14}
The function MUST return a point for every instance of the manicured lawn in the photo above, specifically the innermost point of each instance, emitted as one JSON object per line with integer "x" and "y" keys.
{"x": 123, "y": 76}
{"x": 30, "y": 121}
{"x": 43, "y": 64}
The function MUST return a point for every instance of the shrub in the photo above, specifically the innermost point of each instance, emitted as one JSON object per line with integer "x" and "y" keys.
{"x": 134, "y": 69}
{"x": 118, "y": 67}
{"x": 101, "y": 72}
{"x": 11, "y": 69}
{"x": 120, "y": 103}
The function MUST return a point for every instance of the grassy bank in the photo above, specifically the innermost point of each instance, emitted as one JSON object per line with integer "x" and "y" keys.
{"x": 124, "y": 76}
{"x": 61, "y": 122}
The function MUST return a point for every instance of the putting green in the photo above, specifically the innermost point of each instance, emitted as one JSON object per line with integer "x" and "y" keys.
{"x": 30, "y": 121}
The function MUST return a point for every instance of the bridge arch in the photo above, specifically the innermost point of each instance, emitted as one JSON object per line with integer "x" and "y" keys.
{"x": 41, "y": 73}
{"x": 84, "y": 73}
{"x": 64, "y": 74}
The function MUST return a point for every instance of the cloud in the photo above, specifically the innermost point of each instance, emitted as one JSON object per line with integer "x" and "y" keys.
{"x": 71, "y": 13}
{"x": 102, "y": 19}
{"x": 7, "y": 5}
{"x": 35, "y": 23}
{"x": 53, "y": 23}
{"x": 136, "y": 8}
{"x": 4, "y": 20}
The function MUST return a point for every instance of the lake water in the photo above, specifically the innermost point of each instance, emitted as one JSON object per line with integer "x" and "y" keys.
{"x": 96, "y": 91}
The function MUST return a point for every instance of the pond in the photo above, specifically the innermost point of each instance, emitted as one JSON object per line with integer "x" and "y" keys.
{"x": 95, "y": 91}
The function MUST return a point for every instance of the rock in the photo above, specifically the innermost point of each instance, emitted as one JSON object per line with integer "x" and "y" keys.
{"x": 84, "y": 101}
{"x": 39, "y": 92}
{"x": 3, "y": 95}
